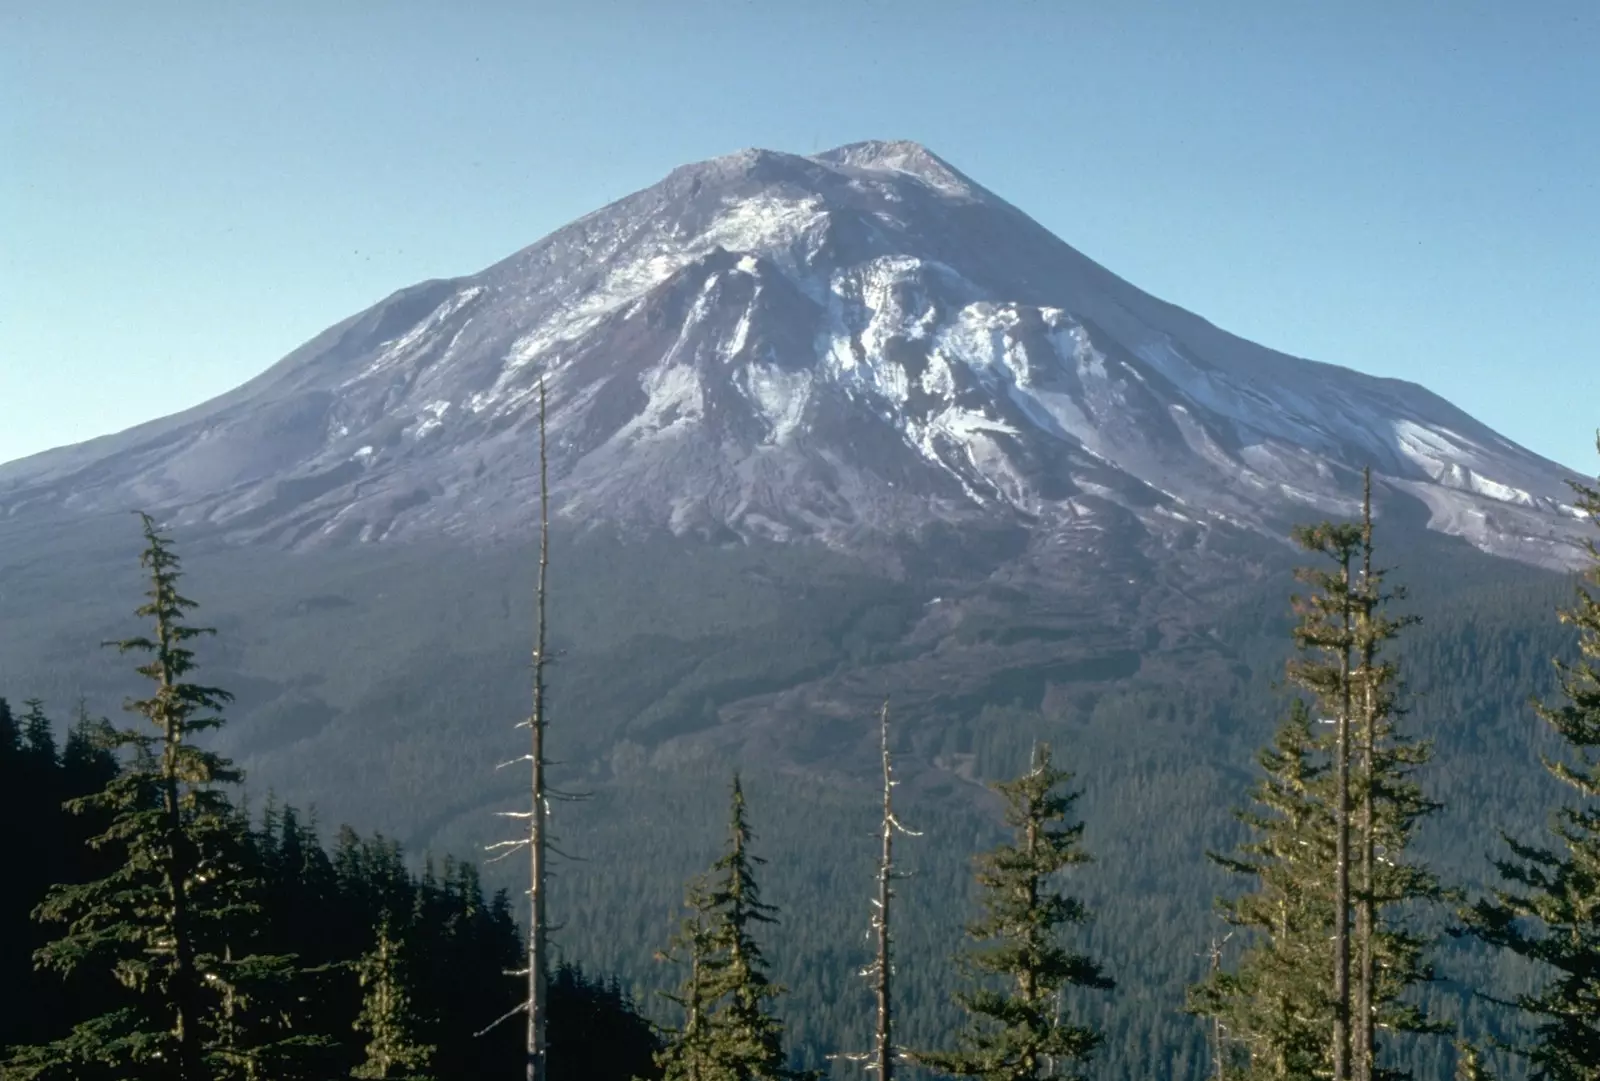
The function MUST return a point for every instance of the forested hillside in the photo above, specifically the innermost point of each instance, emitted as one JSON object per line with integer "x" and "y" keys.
{"x": 300, "y": 960}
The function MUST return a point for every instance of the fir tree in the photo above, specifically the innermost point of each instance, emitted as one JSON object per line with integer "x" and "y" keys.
{"x": 161, "y": 919}
{"x": 1016, "y": 1032}
{"x": 1548, "y": 908}
{"x": 689, "y": 1053}
{"x": 1280, "y": 1006}
{"x": 393, "y": 1052}
{"x": 1389, "y": 957}
{"x": 10, "y": 734}
{"x": 1273, "y": 1008}
{"x": 1469, "y": 1064}
{"x": 748, "y": 1037}
{"x": 1326, "y": 637}
{"x": 38, "y": 735}
{"x": 596, "y": 1031}
{"x": 730, "y": 1032}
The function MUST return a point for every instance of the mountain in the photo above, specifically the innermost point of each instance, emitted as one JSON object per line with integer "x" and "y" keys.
{"x": 823, "y": 429}
{"x": 849, "y": 347}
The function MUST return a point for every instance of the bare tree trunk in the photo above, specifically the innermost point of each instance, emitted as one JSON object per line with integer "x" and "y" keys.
{"x": 1218, "y": 1049}
{"x": 537, "y": 960}
{"x": 882, "y": 1045}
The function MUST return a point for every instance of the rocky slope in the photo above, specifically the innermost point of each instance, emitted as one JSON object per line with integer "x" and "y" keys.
{"x": 855, "y": 346}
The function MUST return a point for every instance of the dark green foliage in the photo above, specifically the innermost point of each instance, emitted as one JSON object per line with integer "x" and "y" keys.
{"x": 1015, "y": 1031}
{"x": 38, "y": 734}
{"x": 170, "y": 919}
{"x": 729, "y": 1031}
{"x": 1280, "y": 1010}
{"x": 1547, "y": 909}
{"x": 387, "y": 1019}
{"x": 597, "y": 1033}
{"x": 324, "y": 909}
{"x": 1273, "y": 1007}
{"x": 648, "y": 659}
{"x": 689, "y": 1050}
{"x": 1469, "y": 1064}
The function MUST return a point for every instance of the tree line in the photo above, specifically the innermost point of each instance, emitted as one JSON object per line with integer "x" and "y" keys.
{"x": 197, "y": 940}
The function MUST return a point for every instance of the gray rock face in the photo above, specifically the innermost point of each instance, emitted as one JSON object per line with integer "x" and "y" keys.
{"x": 849, "y": 347}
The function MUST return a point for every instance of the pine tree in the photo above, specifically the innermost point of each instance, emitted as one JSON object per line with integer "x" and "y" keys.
{"x": 1273, "y": 1008}
{"x": 393, "y": 1052}
{"x": 1280, "y": 1005}
{"x": 1327, "y": 628}
{"x": 162, "y": 919}
{"x": 1548, "y": 907}
{"x": 688, "y": 1053}
{"x": 596, "y": 1031}
{"x": 1016, "y": 1033}
{"x": 38, "y": 735}
{"x": 1469, "y": 1064}
{"x": 729, "y": 1031}
{"x": 10, "y": 734}
{"x": 748, "y": 1038}
{"x": 1389, "y": 958}
{"x": 88, "y": 759}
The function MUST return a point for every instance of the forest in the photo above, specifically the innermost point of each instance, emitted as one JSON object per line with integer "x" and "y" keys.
{"x": 155, "y": 924}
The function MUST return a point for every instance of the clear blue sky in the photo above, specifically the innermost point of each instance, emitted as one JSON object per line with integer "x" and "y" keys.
{"x": 190, "y": 190}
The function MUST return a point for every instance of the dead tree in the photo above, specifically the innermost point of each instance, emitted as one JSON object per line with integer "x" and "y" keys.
{"x": 881, "y": 971}
{"x": 538, "y": 814}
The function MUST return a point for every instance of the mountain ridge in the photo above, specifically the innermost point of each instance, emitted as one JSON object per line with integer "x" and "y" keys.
{"x": 849, "y": 346}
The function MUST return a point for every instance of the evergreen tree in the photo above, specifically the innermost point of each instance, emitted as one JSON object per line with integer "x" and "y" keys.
{"x": 1280, "y": 1007}
{"x": 689, "y": 1051}
{"x": 1016, "y": 1033}
{"x": 38, "y": 735}
{"x": 1326, "y": 637}
{"x": 1273, "y": 1008}
{"x": 596, "y": 1032}
{"x": 393, "y": 1052}
{"x": 162, "y": 918}
{"x": 10, "y": 735}
{"x": 730, "y": 1032}
{"x": 1548, "y": 908}
{"x": 1469, "y": 1064}
{"x": 88, "y": 759}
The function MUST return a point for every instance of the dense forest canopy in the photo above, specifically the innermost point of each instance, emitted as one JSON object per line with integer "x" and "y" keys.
{"x": 1371, "y": 919}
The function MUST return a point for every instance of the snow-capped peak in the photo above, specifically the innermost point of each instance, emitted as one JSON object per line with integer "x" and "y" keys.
{"x": 850, "y": 344}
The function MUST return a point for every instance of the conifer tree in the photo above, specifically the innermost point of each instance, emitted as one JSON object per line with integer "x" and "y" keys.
{"x": 393, "y": 1052}
{"x": 1389, "y": 803}
{"x": 1547, "y": 909}
{"x": 1274, "y": 1007}
{"x": 730, "y": 1032}
{"x": 38, "y": 735}
{"x": 1469, "y": 1064}
{"x": 689, "y": 1052}
{"x": 1016, "y": 1032}
{"x": 1280, "y": 1006}
{"x": 87, "y": 758}
{"x": 747, "y": 1037}
{"x": 10, "y": 734}
{"x": 1326, "y": 636}
{"x": 161, "y": 920}
{"x": 596, "y": 1031}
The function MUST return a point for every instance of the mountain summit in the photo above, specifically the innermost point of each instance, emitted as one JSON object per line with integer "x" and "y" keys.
{"x": 850, "y": 346}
